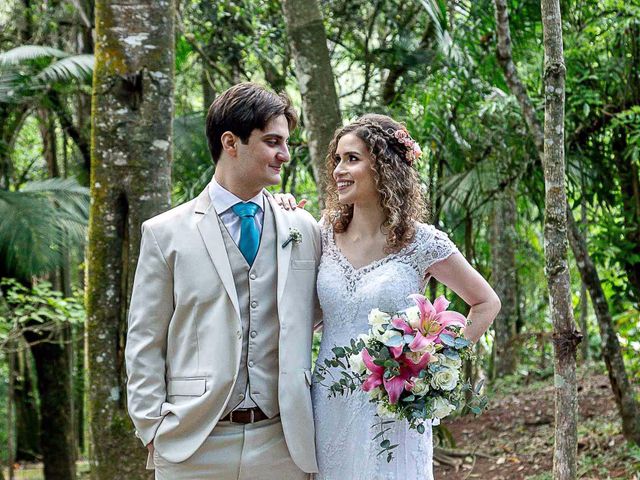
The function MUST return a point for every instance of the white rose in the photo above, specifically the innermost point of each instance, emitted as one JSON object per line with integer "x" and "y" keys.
{"x": 384, "y": 412}
{"x": 356, "y": 363}
{"x": 420, "y": 387}
{"x": 445, "y": 379}
{"x": 454, "y": 363}
{"x": 428, "y": 348}
{"x": 413, "y": 316}
{"x": 442, "y": 408}
{"x": 388, "y": 335}
{"x": 376, "y": 394}
{"x": 377, "y": 319}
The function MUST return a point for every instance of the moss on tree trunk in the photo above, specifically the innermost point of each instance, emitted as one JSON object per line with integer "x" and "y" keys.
{"x": 132, "y": 110}
{"x": 308, "y": 42}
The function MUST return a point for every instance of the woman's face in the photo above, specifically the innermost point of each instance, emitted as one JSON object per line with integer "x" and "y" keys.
{"x": 353, "y": 173}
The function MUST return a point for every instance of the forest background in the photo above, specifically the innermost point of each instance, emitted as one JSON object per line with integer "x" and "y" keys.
{"x": 102, "y": 112}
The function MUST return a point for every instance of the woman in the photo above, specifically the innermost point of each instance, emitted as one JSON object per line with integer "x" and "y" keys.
{"x": 375, "y": 253}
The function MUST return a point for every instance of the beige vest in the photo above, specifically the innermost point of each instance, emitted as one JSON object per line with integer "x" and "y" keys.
{"x": 256, "y": 289}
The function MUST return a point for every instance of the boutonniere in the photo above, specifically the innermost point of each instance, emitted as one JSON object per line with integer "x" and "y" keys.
{"x": 294, "y": 236}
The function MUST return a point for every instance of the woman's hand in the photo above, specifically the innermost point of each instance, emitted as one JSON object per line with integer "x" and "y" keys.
{"x": 456, "y": 273}
{"x": 288, "y": 201}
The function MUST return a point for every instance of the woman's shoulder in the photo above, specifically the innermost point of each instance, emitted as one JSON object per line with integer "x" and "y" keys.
{"x": 430, "y": 238}
{"x": 426, "y": 231}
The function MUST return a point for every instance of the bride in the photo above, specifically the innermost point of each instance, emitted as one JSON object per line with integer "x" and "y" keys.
{"x": 375, "y": 253}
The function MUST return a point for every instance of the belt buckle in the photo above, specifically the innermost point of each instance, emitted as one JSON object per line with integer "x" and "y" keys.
{"x": 250, "y": 410}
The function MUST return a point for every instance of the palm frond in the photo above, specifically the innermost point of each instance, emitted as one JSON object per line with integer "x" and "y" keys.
{"x": 67, "y": 186}
{"x": 30, "y": 52}
{"x": 76, "y": 67}
{"x": 39, "y": 223}
{"x": 437, "y": 11}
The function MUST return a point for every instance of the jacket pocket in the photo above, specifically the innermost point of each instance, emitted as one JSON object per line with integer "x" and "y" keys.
{"x": 187, "y": 387}
{"x": 303, "y": 264}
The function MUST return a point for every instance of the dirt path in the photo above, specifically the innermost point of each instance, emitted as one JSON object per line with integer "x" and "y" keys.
{"x": 516, "y": 435}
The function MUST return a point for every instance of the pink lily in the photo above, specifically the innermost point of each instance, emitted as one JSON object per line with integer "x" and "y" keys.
{"x": 395, "y": 385}
{"x": 400, "y": 324}
{"x": 433, "y": 321}
{"x": 375, "y": 377}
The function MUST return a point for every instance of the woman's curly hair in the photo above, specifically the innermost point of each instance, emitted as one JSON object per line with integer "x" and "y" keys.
{"x": 397, "y": 182}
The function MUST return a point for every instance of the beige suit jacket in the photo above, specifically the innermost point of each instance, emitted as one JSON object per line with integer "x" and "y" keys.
{"x": 185, "y": 337}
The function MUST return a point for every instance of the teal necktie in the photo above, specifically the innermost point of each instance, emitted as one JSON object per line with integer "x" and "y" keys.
{"x": 249, "y": 234}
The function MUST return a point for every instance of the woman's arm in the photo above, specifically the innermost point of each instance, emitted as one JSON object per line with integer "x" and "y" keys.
{"x": 458, "y": 275}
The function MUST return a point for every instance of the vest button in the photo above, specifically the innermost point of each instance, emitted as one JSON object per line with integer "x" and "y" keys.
{"x": 254, "y": 334}
{"x": 253, "y": 276}
{"x": 241, "y": 396}
{"x": 251, "y": 363}
{"x": 254, "y": 304}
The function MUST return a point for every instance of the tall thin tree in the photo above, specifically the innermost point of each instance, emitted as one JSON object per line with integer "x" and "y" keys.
{"x": 620, "y": 385}
{"x": 132, "y": 111}
{"x": 565, "y": 337}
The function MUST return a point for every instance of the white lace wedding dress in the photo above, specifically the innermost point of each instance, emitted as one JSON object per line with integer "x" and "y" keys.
{"x": 344, "y": 444}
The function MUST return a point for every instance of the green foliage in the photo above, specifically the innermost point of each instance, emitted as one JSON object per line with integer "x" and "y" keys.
{"x": 39, "y": 308}
{"x": 28, "y": 71}
{"x": 39, "y": 223}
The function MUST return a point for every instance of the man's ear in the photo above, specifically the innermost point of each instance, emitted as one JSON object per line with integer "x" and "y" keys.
{"x": 229, "y": 143}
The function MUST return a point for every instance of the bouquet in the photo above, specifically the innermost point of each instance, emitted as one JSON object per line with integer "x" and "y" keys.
{"x": 410, "y": 365}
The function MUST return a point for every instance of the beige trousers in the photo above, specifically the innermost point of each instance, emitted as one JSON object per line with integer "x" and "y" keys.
{"x": 233, "y": 451}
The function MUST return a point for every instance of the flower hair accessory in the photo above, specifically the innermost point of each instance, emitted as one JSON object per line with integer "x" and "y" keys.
{"x": 414, "y": 151}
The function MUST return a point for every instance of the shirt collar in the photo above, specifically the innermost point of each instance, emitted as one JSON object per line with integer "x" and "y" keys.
{"x": 222, "y": 199}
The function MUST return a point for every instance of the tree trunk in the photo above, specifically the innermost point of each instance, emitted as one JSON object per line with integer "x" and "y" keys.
{"x": 76, "y": 133}
{"x": 565, "y": 336}
{"x": 82, "y": 107}
{"x": 79, "y": 377}
{"x": 56, "y": 412}
{"x": 503, "y": 275}
{"x": 389, "y": 87}
{"x": 550, "y": 145}
{"x": 589, "y": 277}
{"x": 316, "y": 81}
{"x": 11, "y": 436}
{"x": 130, "y": 182}
{"x": 584, "y": 306}
{"x": 208, "y": 93}
{"x": 27, "y": 420}
{"x": 49, "y": 144}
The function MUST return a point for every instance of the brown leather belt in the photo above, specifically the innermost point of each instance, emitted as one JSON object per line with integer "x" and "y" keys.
{"x": 245, "y": 415}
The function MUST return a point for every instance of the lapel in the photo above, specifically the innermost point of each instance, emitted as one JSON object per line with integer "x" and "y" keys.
{"x": 283, "y": 254}
{"x": 209, "y": 229}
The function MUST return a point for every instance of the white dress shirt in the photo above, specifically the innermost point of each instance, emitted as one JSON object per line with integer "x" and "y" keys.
{"x": 223, "y": 200}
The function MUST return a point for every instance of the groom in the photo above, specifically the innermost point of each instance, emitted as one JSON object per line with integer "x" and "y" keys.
{"x": 220, "y": 327}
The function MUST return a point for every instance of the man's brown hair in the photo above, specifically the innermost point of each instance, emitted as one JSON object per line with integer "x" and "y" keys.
{"x": 243, "y": 108}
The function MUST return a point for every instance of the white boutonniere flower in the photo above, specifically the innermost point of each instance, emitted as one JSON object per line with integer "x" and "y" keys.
{"x": 294, "y": 236}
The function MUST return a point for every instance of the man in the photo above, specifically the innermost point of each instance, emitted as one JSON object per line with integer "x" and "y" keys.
{"x": 220, "y": 327}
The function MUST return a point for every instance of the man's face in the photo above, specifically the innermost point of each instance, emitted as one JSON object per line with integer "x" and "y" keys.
{"x": 260, "y": 160}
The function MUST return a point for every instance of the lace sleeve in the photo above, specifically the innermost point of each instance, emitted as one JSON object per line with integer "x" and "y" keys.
{"x": 325, "y": 231}
{"x": 433, "y": 246}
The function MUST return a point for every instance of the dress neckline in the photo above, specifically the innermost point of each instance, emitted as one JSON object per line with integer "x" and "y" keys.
{"x": 342, "y": 258}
